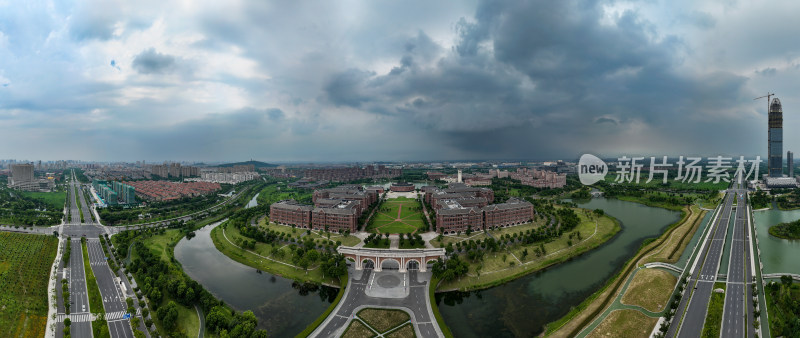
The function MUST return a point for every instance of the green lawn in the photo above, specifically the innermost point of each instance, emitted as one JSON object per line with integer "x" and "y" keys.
{"x": 158, "y": 244}
{"x": 25, "y": 262}
{"x": 350, "y": 240}
{"x": 252, "y": 259}
{"x": 398, "y": 215}
{"x": 188, "y": 323}
{"x": 55, "y": 200}
{"x": 496, "y": 269}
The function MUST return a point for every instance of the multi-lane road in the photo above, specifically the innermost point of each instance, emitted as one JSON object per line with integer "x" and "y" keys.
{"x": 738, "y": 302}
{"x": 691, "y": 314}
{"x": 114, "y": 305}
{"x": 78, "y": 295}
{"x": 113, "y": 297}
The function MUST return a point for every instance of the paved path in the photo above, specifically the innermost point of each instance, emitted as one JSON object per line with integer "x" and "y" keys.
{"x": 417, "y": 303}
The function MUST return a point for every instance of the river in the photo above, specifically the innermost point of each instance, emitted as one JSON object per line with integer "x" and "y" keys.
{"x": 253, "y": 202}
{"x": 524, "y": 306}
{"x": 282, "y": 306}
{"x": 777, "y": 255}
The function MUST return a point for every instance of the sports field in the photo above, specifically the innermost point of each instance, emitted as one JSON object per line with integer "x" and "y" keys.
{"x": 398, "y": 215}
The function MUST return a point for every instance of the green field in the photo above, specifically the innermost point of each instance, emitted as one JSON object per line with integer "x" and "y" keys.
{"x": 398, "y": 215}
{"x": 55, "y": 200}
{"x": 25, "y": 262}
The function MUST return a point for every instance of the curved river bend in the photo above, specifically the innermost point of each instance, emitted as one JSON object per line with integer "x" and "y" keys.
{"x": 522, "y": 307}
{"x": 283, "y": 307}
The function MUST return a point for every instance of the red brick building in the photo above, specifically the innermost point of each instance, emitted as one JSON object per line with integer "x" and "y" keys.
{"x": 336, "y": 219}
{"x": 513, "y": 212}
{"x": 458, "y": 220}
{"x": 402, "y": 187}
{"x": 289, "y": 212}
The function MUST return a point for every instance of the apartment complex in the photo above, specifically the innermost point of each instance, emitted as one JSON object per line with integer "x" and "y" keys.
{"x": 174, "y": 170}
{"x": 166, "y": 190}
{"x": 115, "y": 192}
{"x": 229, "y": 178}
{"x": 335, "y": 209}
{"x": 353, "y": 173}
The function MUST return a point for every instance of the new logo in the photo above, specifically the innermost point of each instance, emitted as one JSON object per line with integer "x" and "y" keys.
{"x": 591, "y": 169}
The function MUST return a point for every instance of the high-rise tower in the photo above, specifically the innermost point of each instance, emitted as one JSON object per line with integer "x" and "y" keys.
{"x": 790, "y": 163}
{"x": 775, "y": 139}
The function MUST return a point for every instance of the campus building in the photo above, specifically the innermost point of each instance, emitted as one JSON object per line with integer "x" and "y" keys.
{"x": 456, "y": 190}
{"x": 539, "y": 178}
{"x": 457, "y": 219}
{"x": 459, "y": 208}
{"x": 290, "y": 212}
{"x": 512, "y": 212}
{"x": 401, "y": 187}
{"x": 336, "y": 218}
{"x": 335, "y": 209}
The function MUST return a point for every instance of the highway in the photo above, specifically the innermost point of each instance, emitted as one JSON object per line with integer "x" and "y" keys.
{"x": 738, "y": 299}
{"x": 78, "y": 295}
{"x": 691, "y": 313}
{"x": 113, "y": 298}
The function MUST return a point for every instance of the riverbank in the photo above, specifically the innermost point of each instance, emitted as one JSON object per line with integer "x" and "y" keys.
{"x": 665, "y": 248}
{"x": 507, "y": 265}
{"x": 790, "y": 230}
{"x": 262, "y": 257}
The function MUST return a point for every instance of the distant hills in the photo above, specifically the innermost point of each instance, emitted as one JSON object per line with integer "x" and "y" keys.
{"x": 257, "y": 164}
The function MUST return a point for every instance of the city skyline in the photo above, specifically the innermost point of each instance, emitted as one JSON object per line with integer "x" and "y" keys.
{"x": 330, "y": 82}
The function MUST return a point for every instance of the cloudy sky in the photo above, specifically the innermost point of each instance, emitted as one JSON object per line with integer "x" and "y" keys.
{"x": 393, "y": 80}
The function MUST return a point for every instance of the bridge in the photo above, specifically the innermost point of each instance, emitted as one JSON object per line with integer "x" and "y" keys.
{"x": 779, "y": 275}
{"x": 663, "y": 266}
{"x": 404, "y": 258}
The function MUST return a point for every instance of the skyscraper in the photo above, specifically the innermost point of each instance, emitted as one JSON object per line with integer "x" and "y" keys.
{"x": 790, "y": 163}
{"x": 775, "y": 139}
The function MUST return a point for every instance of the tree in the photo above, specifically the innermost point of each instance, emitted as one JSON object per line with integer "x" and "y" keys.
{"x": 218, "y": 318}
{"x": 786, "y": 280}
{"x": 168, "y": 315}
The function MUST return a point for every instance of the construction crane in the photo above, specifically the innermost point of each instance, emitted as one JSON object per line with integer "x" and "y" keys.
{"x": 767, "y": 96}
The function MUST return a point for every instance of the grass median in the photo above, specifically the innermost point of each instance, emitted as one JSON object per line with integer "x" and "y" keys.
{"x": 713, "y": 323}
{"x": 95, "y": 300}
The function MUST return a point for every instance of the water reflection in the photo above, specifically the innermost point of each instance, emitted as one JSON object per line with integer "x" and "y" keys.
{"x": 524, "y": 306}
{"x": 283, "y": 307}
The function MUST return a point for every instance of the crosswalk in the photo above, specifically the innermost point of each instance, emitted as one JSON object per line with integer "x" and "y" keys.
{"x": 89, "y": 317}
{"x": 76, "y": 317}
{"x": 115, "y": 315}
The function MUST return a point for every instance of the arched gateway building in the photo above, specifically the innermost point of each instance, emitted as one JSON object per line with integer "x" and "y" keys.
{"x": 404, "y": 259}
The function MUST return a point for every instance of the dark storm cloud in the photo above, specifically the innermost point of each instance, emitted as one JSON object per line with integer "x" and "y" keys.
{"x": 151, "y": 62}
{"x": 535, "y": 71}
